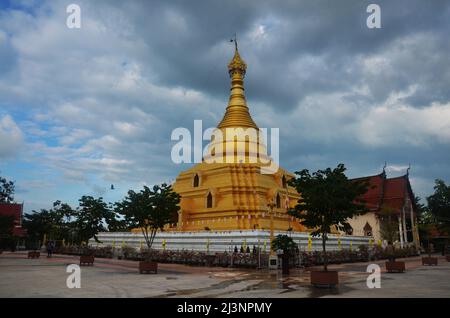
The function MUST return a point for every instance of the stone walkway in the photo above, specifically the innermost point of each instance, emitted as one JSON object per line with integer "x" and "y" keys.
{"x": 43, "y": 277}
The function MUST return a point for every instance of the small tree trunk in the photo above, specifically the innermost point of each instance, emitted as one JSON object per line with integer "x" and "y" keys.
{"x": 325, "y": 258}
{"x": 429, "y": 246}
{"x": 152, "y": 237}
{"x": 145, "y": 233}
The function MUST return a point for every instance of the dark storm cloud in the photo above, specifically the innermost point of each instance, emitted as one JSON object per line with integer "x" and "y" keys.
{"x": 181, "y": 37}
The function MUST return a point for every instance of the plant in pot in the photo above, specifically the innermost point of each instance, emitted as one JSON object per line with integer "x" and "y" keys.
{"x": 87, "y": 256}
{"x": 429, "y": 260}
{"x": 389, "y": 232}
{"x": 287, "y": 245}
{"x": 328, "y": 199}
{"x": 149, "y": 210}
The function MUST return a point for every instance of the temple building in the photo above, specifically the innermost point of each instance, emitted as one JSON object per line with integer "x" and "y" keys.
{"x": 235, "y": 195}
{"x": 394, "y": 194}
{"x": 15, "y": 210}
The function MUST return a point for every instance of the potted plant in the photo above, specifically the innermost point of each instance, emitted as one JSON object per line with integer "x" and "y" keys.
{"x": 392, "y": 265}
{"x": 389, "y": 232}
{"x": 150, "y": 210}
{"x": 328, "y": 199}
{"x": 287, "y": 245}
{"x": 148, "y": 263}
{"x": 429, "y": 260}
{"x": 34, "y": 254}
{"x": 87, "y": 257}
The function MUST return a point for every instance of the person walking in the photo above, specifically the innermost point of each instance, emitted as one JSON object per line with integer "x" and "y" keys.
{"x": 50, "y": 247}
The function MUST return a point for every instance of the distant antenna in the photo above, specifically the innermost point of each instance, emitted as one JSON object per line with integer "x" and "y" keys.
{"x": 384, "y": 167}
{"x": 407, "y": 170}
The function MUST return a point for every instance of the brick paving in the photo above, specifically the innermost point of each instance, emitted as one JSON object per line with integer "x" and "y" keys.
{"x": 46, "y": 277}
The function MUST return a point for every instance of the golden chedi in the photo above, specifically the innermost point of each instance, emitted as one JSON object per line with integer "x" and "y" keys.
{"x": 229, "y": 189}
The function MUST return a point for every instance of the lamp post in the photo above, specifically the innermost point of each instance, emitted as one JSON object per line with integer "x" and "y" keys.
{"x": 273, "y": 258}
{"x": 259, "y": 255}
{"x": 271, "y": 205}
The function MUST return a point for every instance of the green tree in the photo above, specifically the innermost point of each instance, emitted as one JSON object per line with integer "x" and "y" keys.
{"x": 150, "y": 209}
{"x": 439, "y": 208}
{"x": 61, "y": 218}
{"x": 439, "y": 205}
{"x": 420, "y": 207}
{"x": 285, "y": 243}
{"x": 55, "y": 223}
{"x": 38, "y": 224}
{"x": 426, "y": 222}
{"x": 90, "y": 218}
{"x": 388, "y": 224}
{"x": 117, "y": 225}
{"x": 7, "y": 189}
{"x": 328, "y": 199}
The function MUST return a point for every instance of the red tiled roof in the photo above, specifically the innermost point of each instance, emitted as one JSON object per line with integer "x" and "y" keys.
{"x": 384, "y": 192}
{"x": 394, "y": 196}
{"x": 12, "y": 209}
{"x": 373, "y": 196}
{"x": 15, "y": 210}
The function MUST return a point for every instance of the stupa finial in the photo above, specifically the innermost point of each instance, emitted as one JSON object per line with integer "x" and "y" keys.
{"x": 237, "y": 114}
{"x": 236, "y": 64}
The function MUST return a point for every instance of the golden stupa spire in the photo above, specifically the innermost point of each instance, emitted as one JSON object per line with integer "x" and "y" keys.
{"x": 237, "y": 113}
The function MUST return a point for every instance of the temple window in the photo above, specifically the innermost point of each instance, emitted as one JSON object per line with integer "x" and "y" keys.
{"x": 367, "y": 229}
{"x": 349, "y": 231}
{"x": 196, "y": 181}
{"x": 209, "y": 200}
{"x": 278, "y": 201}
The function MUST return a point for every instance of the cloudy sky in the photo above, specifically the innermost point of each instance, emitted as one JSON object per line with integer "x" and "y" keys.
{"x": 83, "y": 108}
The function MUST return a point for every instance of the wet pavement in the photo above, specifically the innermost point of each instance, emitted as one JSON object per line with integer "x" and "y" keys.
{"x": 46, "y": 277}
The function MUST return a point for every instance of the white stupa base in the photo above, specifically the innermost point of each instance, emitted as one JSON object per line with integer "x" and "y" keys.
{"x": 224, "y": 241}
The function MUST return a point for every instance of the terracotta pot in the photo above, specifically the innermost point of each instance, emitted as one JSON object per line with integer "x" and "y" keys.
{"x": 146, "y": 266}
{"x": 429, "y": 261}
{"x": 34, "y": 254}
{"x": 87, "y": 259}
{"x": 395, "y": 266}
{"x": 324, "y": 278}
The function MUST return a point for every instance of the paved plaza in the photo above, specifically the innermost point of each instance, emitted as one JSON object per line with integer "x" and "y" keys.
{"x": 46, "y": 277}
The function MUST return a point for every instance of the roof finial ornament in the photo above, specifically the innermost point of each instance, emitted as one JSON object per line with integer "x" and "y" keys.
{"x": 237, "y": 64}
{"x": 384, "y": 167}
{"x": 407, "y": 170}
{"x": 235, "y": 41}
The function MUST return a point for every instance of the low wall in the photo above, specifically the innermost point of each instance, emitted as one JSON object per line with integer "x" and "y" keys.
{"x": 224, "y": 241}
